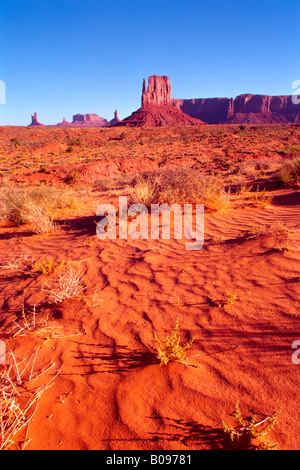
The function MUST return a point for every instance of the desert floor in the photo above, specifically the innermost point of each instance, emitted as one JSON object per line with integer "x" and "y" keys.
{"x": 86, "y": 362}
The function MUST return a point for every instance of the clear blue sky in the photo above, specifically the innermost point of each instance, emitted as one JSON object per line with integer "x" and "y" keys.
{"x": 63, "y": 57}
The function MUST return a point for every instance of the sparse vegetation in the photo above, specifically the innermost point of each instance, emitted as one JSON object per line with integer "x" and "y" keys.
{"x": 67, "y": 284}
{"x": 18, "y": 402}
{"x": 72, "y": 177}
{"x": 231, "y": 297}
{"x": 35, "y": 206}
{"x": 290, "y": 172}
{"x": 180, "y": 185}
{"x": 225, "y": 291}
{"x": 247, "y": 433}
{"x": 46, "y": 265}
{"x": 171, "y": 349}
{"x": 262, "y": 229}
{"x": 260, "y": 198}
{"x": 15, "y": 141}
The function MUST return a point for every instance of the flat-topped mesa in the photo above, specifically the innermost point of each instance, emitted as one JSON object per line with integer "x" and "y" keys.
{"x": 88, "y": 120}
{"x": 246, "y": 108}
{"x": 158, "y": 91}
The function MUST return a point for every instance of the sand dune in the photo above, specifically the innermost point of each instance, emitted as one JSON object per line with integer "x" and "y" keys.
{"x": 238, "y": 297}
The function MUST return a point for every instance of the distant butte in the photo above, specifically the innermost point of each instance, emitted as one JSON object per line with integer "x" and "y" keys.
{"x": 157, "y": 108}
{"x": 35, "y": 121}
{"x": 89, "y": 120}
{"x": 115, "y": 119}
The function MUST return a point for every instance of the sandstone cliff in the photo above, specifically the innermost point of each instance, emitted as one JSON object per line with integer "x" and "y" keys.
{"x": 158, "y": 91}
{"x": 248, "y": 108}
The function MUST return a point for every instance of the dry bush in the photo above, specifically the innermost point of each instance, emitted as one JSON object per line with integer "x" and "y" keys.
{"x": 67, "y": 284}
{"x": 276, "y": 228}
{"x": 20, "y": 262}
{"x": 260, "y": 198}
{"x": 18, "y": 396}
{"x": 29, "y": 324}
{"x": 181, "y": 186}
{"x": 290, "y": 172}
{"x": 40, "y": 220}
{"x": 35, "y": 206}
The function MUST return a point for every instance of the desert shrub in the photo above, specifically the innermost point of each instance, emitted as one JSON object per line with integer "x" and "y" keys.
{"x": 103, "y": 184}
{"x": 289, "y": 172}
{"x": 171, "y": 349}
{"x": 19, "y": 396}
{"x": 35, "y": 206}
{"x": 46, "y": 265}
{"x": 249, "y": 434}
{"x": 260, "y": 198}
{"x": 72, "y": 177}
{"x": 54, "y": 197}
{"x": 15, "y": 141}
{"x": 122, "y": 136}
{"x": 67, "y": 284}
{"x": 179, "y": 185}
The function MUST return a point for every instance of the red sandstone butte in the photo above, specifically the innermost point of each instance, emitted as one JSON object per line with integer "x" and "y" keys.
{"x": 157, "y": 108}
{"x": 158, "y": 91}
{"x": 115, "y": 119}
{"x": 35, "y": 121}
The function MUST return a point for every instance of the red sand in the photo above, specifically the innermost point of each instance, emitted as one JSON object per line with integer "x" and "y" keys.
{"x": 110, "y": 392}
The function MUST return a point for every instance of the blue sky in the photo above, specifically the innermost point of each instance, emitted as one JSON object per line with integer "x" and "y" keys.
{"x": 63, "y": 57}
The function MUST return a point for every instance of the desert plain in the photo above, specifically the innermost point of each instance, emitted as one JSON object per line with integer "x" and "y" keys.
{"x": 80, "y": 316}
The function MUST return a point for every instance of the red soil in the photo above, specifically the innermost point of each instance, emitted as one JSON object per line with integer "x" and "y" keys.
{"x": 111, "y": 393}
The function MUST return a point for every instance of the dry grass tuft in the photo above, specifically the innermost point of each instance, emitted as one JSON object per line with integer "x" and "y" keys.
{"x": 19, "y": 397}
{"x": 66, "y": 285}
{"x": 20, "y": 262}
{"x": 290, "y": 172}
{"x": 35, "y": 207}
{"x": 181, "y": 186}
{"x": 260, "y": 198}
